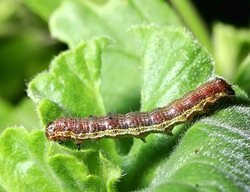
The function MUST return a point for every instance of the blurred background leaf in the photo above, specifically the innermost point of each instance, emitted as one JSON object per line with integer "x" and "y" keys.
{"x": 193, "y": 21}
{"x": 22, "y": 115}
{"x": 242, "y": 77}
{"x": 231, "y": 47}
{"x": 43, "y": 8}
{"x": 25, "y": 49}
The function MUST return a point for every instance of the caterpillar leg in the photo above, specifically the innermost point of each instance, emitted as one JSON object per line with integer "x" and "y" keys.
{"x": 78, "y": 145}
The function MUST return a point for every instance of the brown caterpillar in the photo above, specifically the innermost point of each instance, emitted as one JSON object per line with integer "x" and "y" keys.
{"x": 140, "y": 124}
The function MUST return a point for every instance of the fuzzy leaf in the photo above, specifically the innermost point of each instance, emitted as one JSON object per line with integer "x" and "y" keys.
{"x": 71, "y": 88}
{"x": 78, "y": 20}
{"x": 27, "y": 164}
{"x": 175, "y": 64}
{"x": 213, "y": 155}
{"x": 72, "y": 83}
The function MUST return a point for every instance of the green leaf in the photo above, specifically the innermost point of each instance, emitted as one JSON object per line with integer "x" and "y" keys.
{"x": 71, "y": 88}
{"x": 212, "y": 156}
{"x": 72, "y": 82}
{"x": 242, "y": 77}
{"x": 25, "y": 49}
{"x": 5, "y": 111}
{"x": 193, "y": 21}
{"x": 27, "y": 164}
{"x": 231, "y": 47}
{"x": 22, "y": 115}
{"x": 109, "y": 180}
{"x": 7, "y": 9}
{"x": 78, "y": 20}
{"x": 46, "y": 107}
{"x": 43, "y": 8}
{"x": 91, "y": 19}
{"x": 175, "y": 64}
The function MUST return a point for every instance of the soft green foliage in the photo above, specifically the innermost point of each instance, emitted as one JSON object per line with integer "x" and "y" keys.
{"x": 193, "y": 21}
{"x": 86, "y": 19}
{"x": 231, "y": 47}
{"x": 243, "y": 75}
{"x": 25, "y": 49}
{"x": 213, "y": 154}
{"x": 74, "y": 77}
{"x": 112, "y": 57}
{"x": 168, "y": 52}
{"x": 27, "y": 164}
{"x": 23, "y": 115}
{"x": 171, "y": 55}
{"x": 78, "y": 20}
{"x": 43, "y": 8}
{"x": 143, "y": 161}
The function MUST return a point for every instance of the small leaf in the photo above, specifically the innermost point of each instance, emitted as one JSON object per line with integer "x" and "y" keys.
{"x": 71, "y": 88}
{"x": 27, "y": 164}
{"x": 46, "y": 107}
{"x": 108, "y": 180}
{"x": 73, "y": 175}
{"x": 72, "y": 82}
{"x": 22, "y": 164}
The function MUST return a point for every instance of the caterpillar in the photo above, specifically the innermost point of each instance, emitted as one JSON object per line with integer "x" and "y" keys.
{"x": 140, "y": 124}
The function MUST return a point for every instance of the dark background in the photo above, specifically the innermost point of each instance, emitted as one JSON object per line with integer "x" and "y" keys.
{"x": 236, "y": 13}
